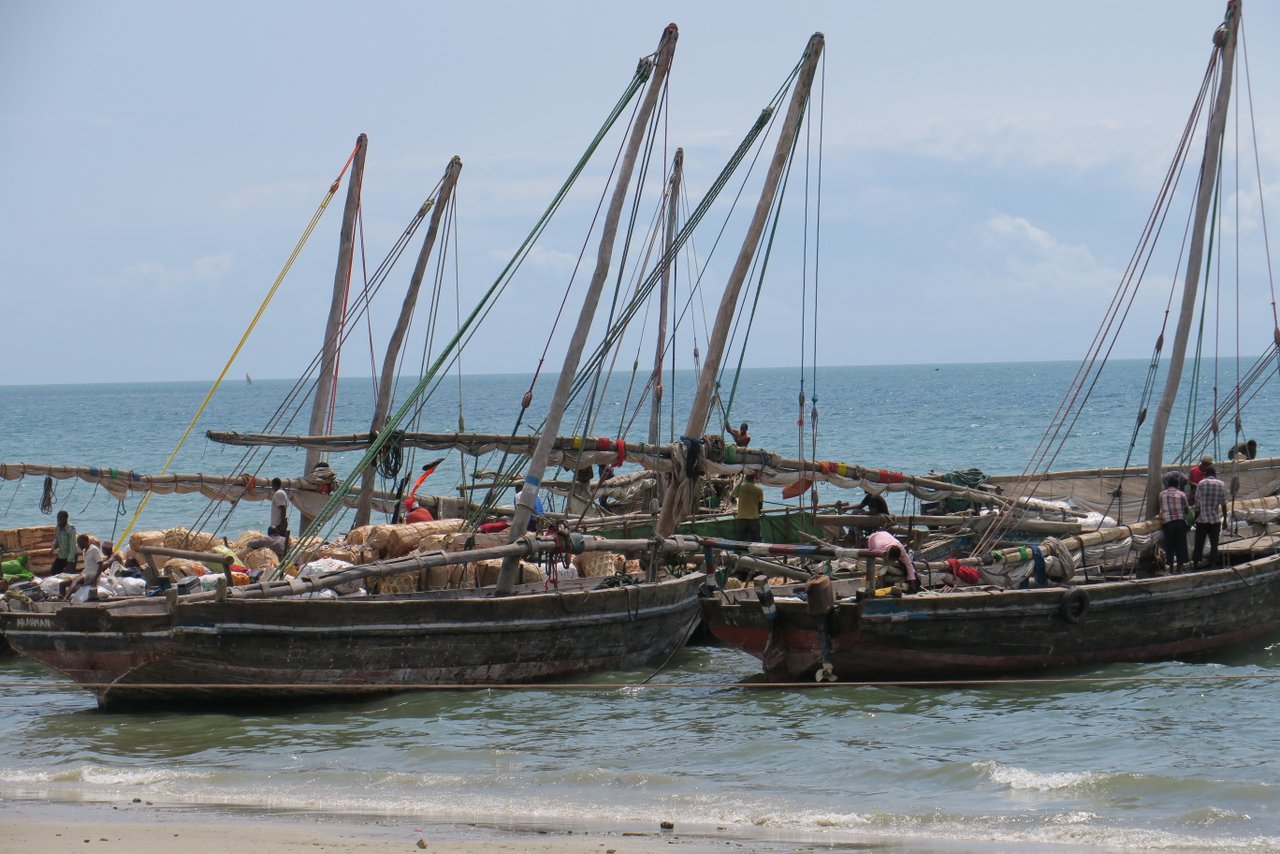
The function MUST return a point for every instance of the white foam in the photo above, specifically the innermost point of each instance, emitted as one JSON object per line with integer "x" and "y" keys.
{"x": 1036, "y": 781}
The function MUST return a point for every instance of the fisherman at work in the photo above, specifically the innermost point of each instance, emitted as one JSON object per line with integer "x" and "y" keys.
{"x": 750, "y": 498}
{"x": 1173, "y": 521}
{"x": 279, "y": 526}
{"x": 537, "y": 509}
{"x": 886, "y": 545}
{"x": 415, "y": 512}
{"x": 64, "y": 545}
{"x": 1244, "y": 451}
{"x": 1211, "y": 510}
{"x": 741, "y": 437}
{"x": 873, "y": 505}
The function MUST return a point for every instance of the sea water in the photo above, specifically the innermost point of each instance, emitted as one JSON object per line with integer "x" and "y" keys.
{"x": 1174, "y": 754}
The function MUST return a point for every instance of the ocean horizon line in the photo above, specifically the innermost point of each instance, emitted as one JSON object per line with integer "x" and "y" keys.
{"x": 967, "y": 364}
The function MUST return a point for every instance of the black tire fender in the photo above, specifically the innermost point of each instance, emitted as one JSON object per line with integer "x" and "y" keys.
{"x": 1074, "y": 605}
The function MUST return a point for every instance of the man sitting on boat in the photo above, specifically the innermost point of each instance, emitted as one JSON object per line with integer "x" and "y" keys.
{"x": 88, "y": 579}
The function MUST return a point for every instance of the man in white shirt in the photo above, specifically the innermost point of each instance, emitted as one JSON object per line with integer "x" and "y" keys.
{"x": 279, "y": 510}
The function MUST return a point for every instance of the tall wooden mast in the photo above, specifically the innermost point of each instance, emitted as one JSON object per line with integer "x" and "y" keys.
{"x": 1224, "y": 39}
{"x": 701, "y": 409}
{"x": 325, "y": 385}
{"x": 538, "y": 462}
{"x": 673, "y": 215}
{"x": 387, "y": 377}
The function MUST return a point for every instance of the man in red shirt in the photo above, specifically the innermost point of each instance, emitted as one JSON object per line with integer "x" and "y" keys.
{"x": 417, "y": 513}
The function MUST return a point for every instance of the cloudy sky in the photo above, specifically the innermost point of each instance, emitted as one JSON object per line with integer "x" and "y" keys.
{"x": 986, "y": 167}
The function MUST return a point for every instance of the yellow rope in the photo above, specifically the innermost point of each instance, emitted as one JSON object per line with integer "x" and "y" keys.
{"x": 315, "y": 219}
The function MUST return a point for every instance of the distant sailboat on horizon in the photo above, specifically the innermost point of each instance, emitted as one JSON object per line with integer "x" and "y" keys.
{"x": 248, "y": 379}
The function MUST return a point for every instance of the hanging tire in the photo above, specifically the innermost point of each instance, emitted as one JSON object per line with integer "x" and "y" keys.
{"x": 1074, "y": 605}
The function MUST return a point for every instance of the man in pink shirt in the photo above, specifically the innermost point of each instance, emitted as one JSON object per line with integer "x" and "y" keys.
{"x": 884, "y": 544}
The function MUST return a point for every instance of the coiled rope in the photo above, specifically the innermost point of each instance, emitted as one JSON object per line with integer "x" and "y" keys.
{"x": 48, "y": 496}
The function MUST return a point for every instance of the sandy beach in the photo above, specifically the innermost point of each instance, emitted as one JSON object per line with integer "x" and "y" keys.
{"x": 145, "y": 829}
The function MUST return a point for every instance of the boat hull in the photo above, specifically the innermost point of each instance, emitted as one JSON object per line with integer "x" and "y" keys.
{"x": 251, "y": 649}
{"x": 967, "y": 635}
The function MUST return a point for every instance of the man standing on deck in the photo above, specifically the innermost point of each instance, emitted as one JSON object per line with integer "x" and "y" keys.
{"x": 1173, "y": 522}
{"x": 64, "y": 545}
{"x": 750, "y": 498}
{"x": 279, "y": 510}
{"x": 741, "y": 436}
{"x": 1211, "y": 509}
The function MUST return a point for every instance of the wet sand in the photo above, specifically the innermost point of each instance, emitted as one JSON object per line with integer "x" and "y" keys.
{"x": 143, "y": 829}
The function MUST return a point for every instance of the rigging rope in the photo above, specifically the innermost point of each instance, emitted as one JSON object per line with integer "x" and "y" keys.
{"x": 429, "y": 379}
{"x": 1090, "y": 369}
{"x": 817, "y": 246}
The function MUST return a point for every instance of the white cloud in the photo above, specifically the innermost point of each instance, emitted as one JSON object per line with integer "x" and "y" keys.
{"x": 1027, "y": 140}
{"x": 880, "y": 203}
{"x": 156, "y": 273}
{"x": 1035, "y": 261}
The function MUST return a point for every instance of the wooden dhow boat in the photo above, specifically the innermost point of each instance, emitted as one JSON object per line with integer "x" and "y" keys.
{"x": 995, "y": 608}
{"x": 276, "y": 642}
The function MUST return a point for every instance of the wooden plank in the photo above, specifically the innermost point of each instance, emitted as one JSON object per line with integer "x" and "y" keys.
{"x": 1259, "y": 545}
